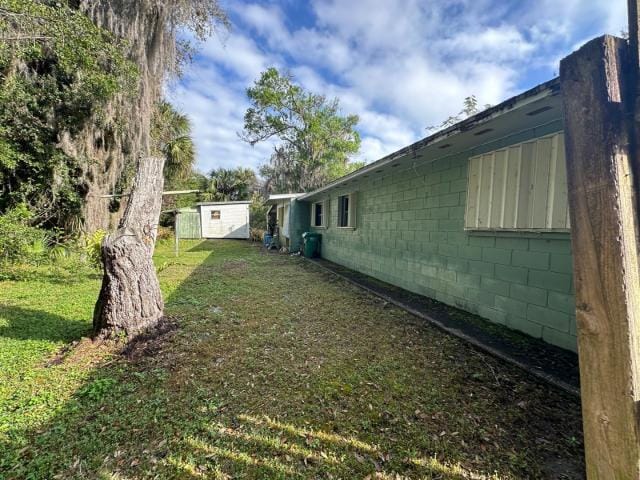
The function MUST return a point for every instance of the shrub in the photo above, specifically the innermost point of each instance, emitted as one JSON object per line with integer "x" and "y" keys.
{"x": 59, "y": 252}
{"x": 256, "y": 234}
{"x": 258, "y": 212}
{"x": 93, "y": 246}
{"x": 164, "y": 233}
{"x": 19, "y": 241}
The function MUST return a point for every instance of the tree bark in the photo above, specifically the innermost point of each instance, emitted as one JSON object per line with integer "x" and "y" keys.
{"x": 130, "y": 300}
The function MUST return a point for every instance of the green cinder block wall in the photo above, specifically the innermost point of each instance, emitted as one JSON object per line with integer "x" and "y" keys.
{"x": 410, "y": 233}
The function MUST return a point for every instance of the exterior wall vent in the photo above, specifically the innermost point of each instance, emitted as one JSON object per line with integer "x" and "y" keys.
{"x": 538, "y": 111}
{"x": 482, "y": 132}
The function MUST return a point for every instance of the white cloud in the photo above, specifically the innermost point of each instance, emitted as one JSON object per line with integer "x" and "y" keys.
{"x": 372, "y": 149}
{"x": 495, "y": 44}
{"x": 238, "y": 54}
{"x": 267, "y": 21}
{"x": 401, "y": 66}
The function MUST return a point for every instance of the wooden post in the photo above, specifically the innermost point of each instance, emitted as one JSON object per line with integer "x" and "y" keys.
{"x": 634, "y": 30}
{"x": 177, "y": 233}
{"x": 633, "y": 84}
{"x": 599, "y": 138}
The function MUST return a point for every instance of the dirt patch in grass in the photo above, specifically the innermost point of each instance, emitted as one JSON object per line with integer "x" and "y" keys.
{"x": 234, "y": 266}
{"x": 151, "y": 342}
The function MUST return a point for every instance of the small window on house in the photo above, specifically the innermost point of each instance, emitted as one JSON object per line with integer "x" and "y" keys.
{"x": 319, "y": 214}
{"x": 215, "y": 214}
{"x": 346, "y": 211}
{"x": 521, "y": 187}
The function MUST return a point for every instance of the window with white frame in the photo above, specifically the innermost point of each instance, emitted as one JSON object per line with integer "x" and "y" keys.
{"x": 521, "y": 187}
{"x": 346, "y": 211}
{"x": 319, "y": 214}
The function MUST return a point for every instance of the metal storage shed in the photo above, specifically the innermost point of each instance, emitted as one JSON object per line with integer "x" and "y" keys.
{"x": 224, "y": 219}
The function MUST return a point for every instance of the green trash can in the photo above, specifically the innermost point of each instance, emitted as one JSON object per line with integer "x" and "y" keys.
{"x": 311, "y": 244}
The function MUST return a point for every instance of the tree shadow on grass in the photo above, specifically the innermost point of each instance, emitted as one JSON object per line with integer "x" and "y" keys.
{"x": 204, "y": 246}
{"x": 30, "y": 324}
{"x": 222, "y": 397}
{"x": 211, "y": 245}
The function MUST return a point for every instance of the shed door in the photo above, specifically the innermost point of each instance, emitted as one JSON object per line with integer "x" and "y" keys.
{"x": 189, "y": 225}
{"x": 216, "y": 223}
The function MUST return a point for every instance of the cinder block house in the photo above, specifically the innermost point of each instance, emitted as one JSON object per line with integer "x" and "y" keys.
{"x": 475, "y": 216}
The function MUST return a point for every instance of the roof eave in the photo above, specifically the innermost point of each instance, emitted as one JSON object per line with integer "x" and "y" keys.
{"x": 545, "y": 89}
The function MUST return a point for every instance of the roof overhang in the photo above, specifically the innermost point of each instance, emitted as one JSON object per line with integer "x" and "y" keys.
{"x": 279, "y": 197}
{"x": 534, "y": 108}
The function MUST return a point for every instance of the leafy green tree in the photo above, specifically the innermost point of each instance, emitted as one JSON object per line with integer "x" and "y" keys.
{"x": 57, "y": 72}
{"x": 171, "y": 133}
{"x": 316, "y": 141}
{"x": 194, "y": 181}
{"x": 17, "y": 237}
{"x": 78, "y": 81}
{"x": 259, "y": 210}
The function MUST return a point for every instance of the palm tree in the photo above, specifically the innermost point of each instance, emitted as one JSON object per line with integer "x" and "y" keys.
{"x": 231, "y": 184}
{"x": 222, "y": 184}
{"x": 171, "y": 132}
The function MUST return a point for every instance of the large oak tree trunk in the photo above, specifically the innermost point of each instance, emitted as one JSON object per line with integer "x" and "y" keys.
{"x": 130, "y": 299}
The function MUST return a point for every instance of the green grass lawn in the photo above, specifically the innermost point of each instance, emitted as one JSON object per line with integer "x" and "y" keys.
{"x": 275, "y": 370}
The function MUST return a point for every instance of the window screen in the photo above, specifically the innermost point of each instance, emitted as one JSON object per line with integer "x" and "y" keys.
{"x": 522, "y": 187}
{"x": 345, "y": 211}
{"x": 215, "y": 214}
{"x": 318, "y": 215}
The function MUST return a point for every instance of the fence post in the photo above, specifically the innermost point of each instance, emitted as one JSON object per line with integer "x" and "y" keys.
{"x": 599, "y": 139}
{"x": 176, "y": 227}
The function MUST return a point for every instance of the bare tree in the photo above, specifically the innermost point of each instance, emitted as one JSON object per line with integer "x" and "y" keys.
{"x": 130, "y": 298}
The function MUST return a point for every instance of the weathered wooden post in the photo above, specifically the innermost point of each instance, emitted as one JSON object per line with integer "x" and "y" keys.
{"x": 598, "y": 90}
{"x": 176, "y": 227}
{"x": 634, "y": 84}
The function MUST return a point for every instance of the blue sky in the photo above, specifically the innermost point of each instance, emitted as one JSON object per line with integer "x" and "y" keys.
{"x": 401, "y": 65}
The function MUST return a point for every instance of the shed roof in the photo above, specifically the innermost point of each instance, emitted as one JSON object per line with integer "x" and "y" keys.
{"x": 534, "y": 108}
{"x": 239, "y": 202}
